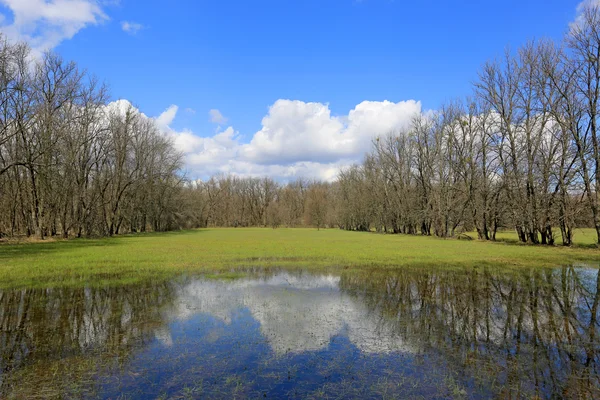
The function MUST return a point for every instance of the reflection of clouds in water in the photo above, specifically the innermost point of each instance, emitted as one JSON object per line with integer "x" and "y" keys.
{"x": 163, "y": 335}
{"x": 296, "y": 313}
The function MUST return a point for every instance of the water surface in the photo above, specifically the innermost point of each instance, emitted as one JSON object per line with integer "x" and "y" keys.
{"x": 429, "y": 333}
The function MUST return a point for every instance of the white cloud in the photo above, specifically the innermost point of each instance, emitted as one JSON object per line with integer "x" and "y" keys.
{"x": 166, "y": 118}
{"x": 297, "y": 139}
{"x": 131, "y": 27}
{"x": 46, "y": 23}
{"x": 295, "y": 131}
{"x": 586, "y": 3}
{"x": 216, "y": 117}
{"x": 579, "y": 19}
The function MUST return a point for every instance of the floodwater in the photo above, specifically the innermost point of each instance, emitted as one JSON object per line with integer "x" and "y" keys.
{"x": 412, "y": 333}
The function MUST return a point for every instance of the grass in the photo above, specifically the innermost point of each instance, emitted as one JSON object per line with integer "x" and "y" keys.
{"x": 130, "y": 259}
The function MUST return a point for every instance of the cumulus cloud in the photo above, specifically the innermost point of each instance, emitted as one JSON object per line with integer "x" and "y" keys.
{"x": 46, "y": 23}
{"x": 131, "y": 27}
{"x": 122, "y": 106}
{"x": 297, "y": 139}
{"x": 216, "y": 117}
{"x": 296, "y": 131}
{"x": 166, "y": 118}
{"x": 579, "y": 18}
{"x": 586, "y": 3}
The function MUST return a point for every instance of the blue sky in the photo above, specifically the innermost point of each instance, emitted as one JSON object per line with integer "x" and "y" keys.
{"x": 242, "y": 57}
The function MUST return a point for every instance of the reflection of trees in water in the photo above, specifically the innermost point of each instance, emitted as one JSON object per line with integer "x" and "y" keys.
{"x": 532, "y": 332}
{"x": 521, "y": 334}
{"x": 70, "y": 331}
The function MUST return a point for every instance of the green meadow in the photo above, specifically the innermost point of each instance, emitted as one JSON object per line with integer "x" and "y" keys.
{"x": 226, "y": 252}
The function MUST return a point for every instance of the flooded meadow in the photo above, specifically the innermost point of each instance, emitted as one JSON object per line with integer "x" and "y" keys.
{"x": 418, "y": 333}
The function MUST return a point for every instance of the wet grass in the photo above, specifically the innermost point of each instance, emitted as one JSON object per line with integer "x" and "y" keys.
{"x": 129, "y": 259}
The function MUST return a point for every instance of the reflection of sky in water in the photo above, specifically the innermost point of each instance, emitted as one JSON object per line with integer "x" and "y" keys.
{"x": 477, "y": 333}
{"x": 284, "y": 336}
{"x": 295, "y": 314}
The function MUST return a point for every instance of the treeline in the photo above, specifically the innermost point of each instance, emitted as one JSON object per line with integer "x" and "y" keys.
{"x": 231, "y": 201}
{"x": 522, "y": 152}
{"x": 70, "y": 163}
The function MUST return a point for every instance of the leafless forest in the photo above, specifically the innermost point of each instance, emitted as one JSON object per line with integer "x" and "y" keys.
{"x": 522, "y": 152}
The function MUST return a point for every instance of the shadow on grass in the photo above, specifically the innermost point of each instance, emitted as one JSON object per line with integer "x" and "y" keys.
{"x": 24, "y": 249}
{"x": 14, "y": 250}
{"x": 517, "y": 242}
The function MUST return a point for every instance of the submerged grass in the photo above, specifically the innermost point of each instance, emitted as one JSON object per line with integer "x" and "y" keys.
{"x": 129, "y": 259}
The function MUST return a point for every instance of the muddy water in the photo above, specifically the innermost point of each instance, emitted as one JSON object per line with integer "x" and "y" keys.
{"x": 417, "y": 333}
